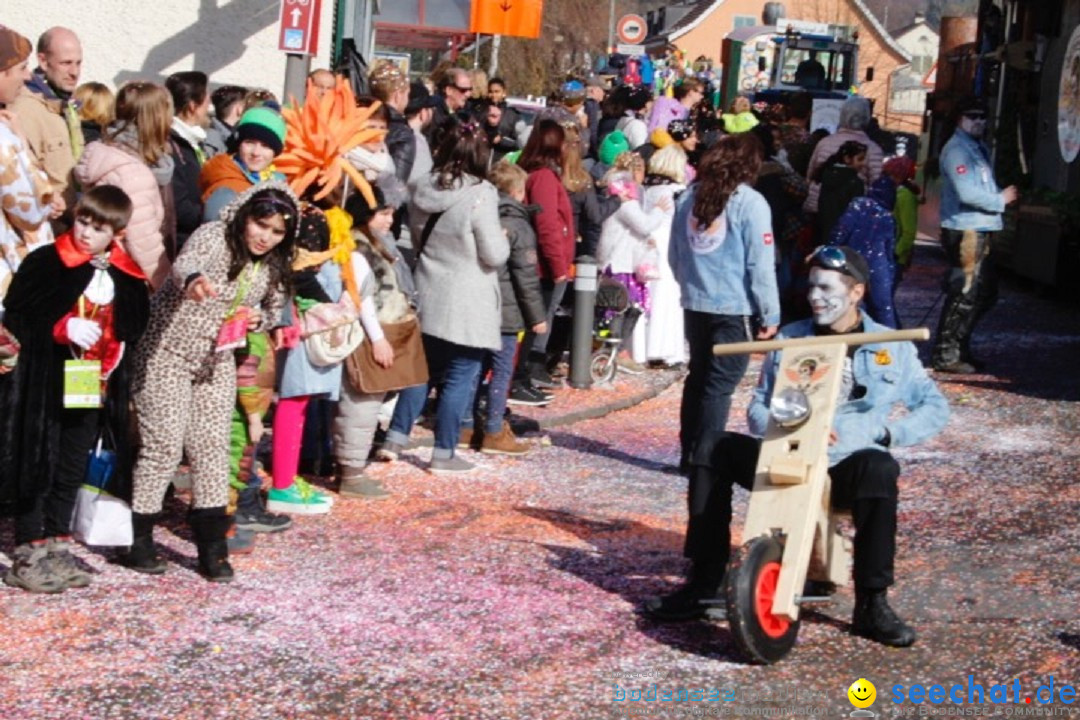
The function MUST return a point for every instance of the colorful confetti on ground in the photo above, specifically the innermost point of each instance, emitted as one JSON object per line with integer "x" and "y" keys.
{"x": 511, "y": 592}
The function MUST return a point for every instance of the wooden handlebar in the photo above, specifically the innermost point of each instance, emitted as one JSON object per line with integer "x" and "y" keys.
{"x": 743, "y": 348}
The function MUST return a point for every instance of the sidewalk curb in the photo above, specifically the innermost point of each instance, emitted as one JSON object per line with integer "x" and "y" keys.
{"x": 671, "y": 377}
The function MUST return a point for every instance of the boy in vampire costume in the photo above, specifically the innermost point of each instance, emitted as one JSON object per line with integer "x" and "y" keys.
{"x": 81, "y": 298}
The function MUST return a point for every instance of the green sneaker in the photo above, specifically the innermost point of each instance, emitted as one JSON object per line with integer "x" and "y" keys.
{"x": 297, "y": 499}
{"x": 307, "y": 487}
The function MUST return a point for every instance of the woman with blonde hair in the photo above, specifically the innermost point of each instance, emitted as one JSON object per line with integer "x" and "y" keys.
{"x": 96, "y": 102}
{"x": 133, "y": 156}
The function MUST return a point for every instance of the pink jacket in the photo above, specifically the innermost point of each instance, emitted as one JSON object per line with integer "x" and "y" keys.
{"x": 103, "y": 164}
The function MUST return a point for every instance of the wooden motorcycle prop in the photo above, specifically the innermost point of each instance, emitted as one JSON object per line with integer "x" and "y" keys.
{"x": 791, "y": 532}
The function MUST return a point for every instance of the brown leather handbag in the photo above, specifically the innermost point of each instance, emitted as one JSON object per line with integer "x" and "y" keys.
{"x": 410, "y": 364}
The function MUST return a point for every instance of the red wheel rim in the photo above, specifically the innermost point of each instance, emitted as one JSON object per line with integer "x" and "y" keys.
{"x": 764, "y": 593}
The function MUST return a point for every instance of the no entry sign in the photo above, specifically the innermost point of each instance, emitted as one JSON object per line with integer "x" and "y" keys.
{"x": 299, "y": 21}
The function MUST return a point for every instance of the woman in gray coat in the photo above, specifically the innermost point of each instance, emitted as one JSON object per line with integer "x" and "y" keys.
{"x": 460, "y": 247}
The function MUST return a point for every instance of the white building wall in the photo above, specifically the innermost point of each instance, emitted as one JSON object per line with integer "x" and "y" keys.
{"x": 232, "y": 41}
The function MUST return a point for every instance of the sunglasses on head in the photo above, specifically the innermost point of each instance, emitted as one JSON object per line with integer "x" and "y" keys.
{"x": 830, "y": 257}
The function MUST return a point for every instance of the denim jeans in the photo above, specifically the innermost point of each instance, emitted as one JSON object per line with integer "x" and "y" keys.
{"x": 711, "y": 379}
{"x": 410, "y": 404}
{"x": 456, "y": 368}
{"x": 501, "y": 365}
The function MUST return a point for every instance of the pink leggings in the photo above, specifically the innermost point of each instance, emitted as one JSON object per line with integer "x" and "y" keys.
{"x": 288, "y": 437}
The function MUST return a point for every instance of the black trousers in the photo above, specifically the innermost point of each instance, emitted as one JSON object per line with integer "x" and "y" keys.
{"x": 534, "y": 348}
{"x": 49, "y": 513}
{"x": 970, "y": 290}
{"x": 864, "y": 483}
{"x": 711, "y": 380}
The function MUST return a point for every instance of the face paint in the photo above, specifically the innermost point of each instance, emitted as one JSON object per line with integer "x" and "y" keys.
{"x": 975, "y": 127}
{"x": 830, "y": 299}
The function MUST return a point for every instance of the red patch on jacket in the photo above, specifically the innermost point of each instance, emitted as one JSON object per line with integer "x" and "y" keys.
{"x": 768, "y": 238}
{"x": 961, "y": 169}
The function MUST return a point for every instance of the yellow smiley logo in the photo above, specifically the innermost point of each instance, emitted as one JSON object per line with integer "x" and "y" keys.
{"x": 862, "y": 693}
{"x": 882, "y": 357}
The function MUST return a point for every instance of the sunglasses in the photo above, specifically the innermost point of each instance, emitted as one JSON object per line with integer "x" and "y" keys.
{"x": 462, "y": 89}
{"x": 830, "y": 257}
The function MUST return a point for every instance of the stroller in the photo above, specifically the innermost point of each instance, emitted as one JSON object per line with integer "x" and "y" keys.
{"x": 612, "y": 306}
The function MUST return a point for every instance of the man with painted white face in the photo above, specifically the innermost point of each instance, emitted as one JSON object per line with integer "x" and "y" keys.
{"x": 971, "y": 208}
{"x": 864, "y": 474}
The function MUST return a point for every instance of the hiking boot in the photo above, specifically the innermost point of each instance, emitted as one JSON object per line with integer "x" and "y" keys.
{"x": 875, "y": 620}
{"x": 297, "y": 499}
{"x": 240, "y": 541}
{"x": 262, "y": 521}
{"x": 355, "y": 484}
{"x": 450, "y": 466}
{"x": 522, "y": 394}
{"x": 143, "y": 557}
{"x": 503, "y": 442}
{"x": 390, "y": 451}
{"x": 955, "y": 368}
{"x": 693, "y": 600}
{"x": 64, "y": 563}
{"x": 33, "y": 571}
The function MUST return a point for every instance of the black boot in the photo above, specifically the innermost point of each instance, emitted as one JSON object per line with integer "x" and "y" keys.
{"x": 874, "y": 619}
{"x": 143, "y": 557}
{"x": 690, "y": 602}
{"x": 209, "y": 526}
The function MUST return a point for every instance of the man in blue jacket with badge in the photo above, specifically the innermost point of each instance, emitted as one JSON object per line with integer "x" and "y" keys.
{"x": 876, "y": 378}
{"x": 971, "y": 208}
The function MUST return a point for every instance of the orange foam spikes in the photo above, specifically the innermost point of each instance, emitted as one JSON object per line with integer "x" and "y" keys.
{"x": 359, "y": 181}
{"x": 301, "y": 183}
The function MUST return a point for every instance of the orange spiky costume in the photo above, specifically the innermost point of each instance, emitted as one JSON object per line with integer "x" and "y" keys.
{"x": 317, "y": 137}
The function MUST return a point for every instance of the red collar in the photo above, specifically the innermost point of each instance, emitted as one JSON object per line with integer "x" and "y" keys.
{"x": 71, "y": 256}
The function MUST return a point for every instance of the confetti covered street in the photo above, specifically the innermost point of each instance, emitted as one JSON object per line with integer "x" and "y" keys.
{"x": 511, "y": 592}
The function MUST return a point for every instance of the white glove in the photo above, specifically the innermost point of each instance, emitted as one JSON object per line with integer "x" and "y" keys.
{"x": 84, "y": 333}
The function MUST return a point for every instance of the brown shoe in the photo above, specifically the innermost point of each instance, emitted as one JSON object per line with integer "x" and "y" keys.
{"x": 467, "y": 438}
{"x": 503, "y": 443}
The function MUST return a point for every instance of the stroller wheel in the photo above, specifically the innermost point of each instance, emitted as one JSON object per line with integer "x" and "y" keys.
{"x": 602, "y": 368}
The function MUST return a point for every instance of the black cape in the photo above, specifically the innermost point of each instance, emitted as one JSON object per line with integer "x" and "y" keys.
{"x": 31, "y": 396}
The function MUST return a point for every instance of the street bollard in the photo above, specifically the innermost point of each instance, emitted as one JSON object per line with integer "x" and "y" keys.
{"x": 581, "y": 344}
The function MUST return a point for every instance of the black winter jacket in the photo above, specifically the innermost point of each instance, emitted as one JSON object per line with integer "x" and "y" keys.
{"x": 401, "y": 143}
{"x": 522, "y": 304}
{"x": 185, "y": 187}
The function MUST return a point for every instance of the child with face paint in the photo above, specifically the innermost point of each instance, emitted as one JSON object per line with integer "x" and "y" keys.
{"x": 971, "y": 209}
{"x": 864, "y": 474}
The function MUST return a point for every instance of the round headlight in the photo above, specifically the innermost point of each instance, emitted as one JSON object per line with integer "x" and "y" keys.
{"x": 790, "y": 407}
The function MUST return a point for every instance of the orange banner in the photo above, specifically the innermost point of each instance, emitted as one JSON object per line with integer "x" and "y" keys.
{"x": 506, "y": 17}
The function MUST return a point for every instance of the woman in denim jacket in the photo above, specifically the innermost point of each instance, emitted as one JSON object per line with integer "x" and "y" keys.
{"x": 721, "y": 254}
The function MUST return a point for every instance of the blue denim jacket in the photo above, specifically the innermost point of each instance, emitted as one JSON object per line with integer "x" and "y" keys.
{"x": 970, "y": 199}
{"x": 860, "y": 424}
{"x": 730, "y": 272}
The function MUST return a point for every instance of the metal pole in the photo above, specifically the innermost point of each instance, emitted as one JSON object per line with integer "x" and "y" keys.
{"x": 1003, "y": 71}
{"x": 297, "y": 68}
{"x": 493, "y": 64}
{"x": 585, "y": 284}
{"x": 611, "y": 27}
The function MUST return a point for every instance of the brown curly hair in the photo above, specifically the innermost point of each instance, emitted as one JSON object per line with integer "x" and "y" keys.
{"x": 732, "y": 161}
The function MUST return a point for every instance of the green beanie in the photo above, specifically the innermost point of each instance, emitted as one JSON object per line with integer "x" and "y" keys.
{"x": 614, "y": 144}
{"x": 264, "y": 125}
